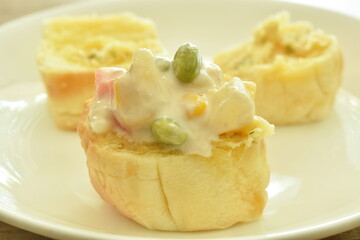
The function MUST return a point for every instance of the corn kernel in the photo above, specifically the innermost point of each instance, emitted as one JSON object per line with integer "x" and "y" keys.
{"x": 197, "y": 105}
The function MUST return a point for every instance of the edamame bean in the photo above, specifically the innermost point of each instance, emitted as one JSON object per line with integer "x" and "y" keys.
{"x": 168, "y": 131}
{"x": 187, "y": 63}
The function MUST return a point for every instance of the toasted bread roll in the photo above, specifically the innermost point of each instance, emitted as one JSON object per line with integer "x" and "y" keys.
{"x": 175, "y": 145}
{"x": 168, "y": 190}
{"x": 297, "y": 70}
{"x": 74, "y": 46}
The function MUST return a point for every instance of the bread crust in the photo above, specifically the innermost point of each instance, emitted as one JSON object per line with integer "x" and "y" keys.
{"x": 299, "y": 94}
{"x": 73, "y": 47}
{"x": 171, "y": 191}
{"x": 66, "y": 95}
{"x": 291, "y": 89}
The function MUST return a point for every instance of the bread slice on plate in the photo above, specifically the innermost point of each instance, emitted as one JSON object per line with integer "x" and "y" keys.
{"x": 171, "y": 191}
{"x": 175, "y": 151}
{"x": 72, "y": 47}
{"x": 297, "y": 69}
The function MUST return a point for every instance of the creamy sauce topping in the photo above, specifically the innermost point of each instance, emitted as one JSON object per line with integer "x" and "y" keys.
{"x": 206, "y": 107}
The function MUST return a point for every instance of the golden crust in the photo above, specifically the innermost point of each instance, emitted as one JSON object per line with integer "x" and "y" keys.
{"x": 172, "y": 191}
{"x": 66, "y": 95}
{"x": 296, "y": 78}
{"x": 73, "y": 47}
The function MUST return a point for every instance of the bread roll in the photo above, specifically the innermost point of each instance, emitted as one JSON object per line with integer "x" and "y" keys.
{"x": 72, "y": 48}
{"x": 171, "y": 191}
{"x": 174, "y": 145}
{"x": 297, "y": 69}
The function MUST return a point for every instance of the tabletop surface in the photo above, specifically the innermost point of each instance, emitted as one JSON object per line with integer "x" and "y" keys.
{"x": 11, "y": 9}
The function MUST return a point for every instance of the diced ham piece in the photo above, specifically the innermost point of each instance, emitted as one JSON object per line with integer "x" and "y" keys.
{"x": 104, "y": 80}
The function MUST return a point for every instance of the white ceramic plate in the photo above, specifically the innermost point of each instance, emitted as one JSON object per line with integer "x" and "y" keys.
{"x": 44, "y": 187}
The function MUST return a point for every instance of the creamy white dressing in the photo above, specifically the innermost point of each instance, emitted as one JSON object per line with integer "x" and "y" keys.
{"x": 146, "y": 93}
{"x": 100, "y": 116}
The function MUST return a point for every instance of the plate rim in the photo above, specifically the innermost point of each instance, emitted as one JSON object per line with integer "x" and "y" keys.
{"x": 58, "y": 231}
